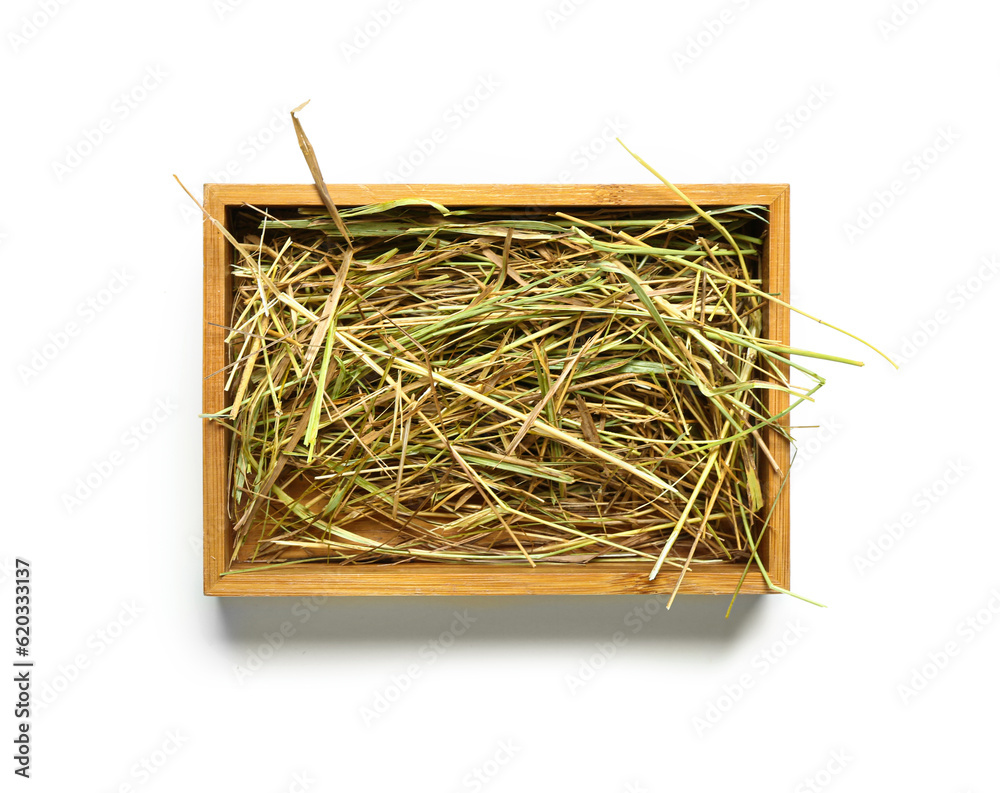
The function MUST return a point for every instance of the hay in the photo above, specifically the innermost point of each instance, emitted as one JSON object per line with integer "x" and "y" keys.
{"x": 501, "y": 385}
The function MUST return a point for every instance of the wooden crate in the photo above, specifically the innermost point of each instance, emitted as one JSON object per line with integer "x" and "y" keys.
{"x": 428, "y": 578}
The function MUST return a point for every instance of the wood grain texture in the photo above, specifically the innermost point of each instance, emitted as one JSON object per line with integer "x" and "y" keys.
{"x": 435, "y": 579}
{"x": 776, "y": 276}
{"x": 273, "y": 195}
{"x": 317, "y": 579}
{"x": 217, "y": 300}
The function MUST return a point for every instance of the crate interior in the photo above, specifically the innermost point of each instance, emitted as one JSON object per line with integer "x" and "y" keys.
{"x": 244, "y": 222}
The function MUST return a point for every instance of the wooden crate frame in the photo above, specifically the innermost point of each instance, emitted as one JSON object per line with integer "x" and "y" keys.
{"x": 429, "y": 578}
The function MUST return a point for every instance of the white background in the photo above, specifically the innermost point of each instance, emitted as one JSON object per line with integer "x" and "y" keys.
{"x": 886, "y": 128}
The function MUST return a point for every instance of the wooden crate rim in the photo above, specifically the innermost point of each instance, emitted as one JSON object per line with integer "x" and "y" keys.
{"x": 501, "y": 194}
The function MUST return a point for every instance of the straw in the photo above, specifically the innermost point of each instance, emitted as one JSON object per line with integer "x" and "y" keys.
{"x": 485, "y": 385}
